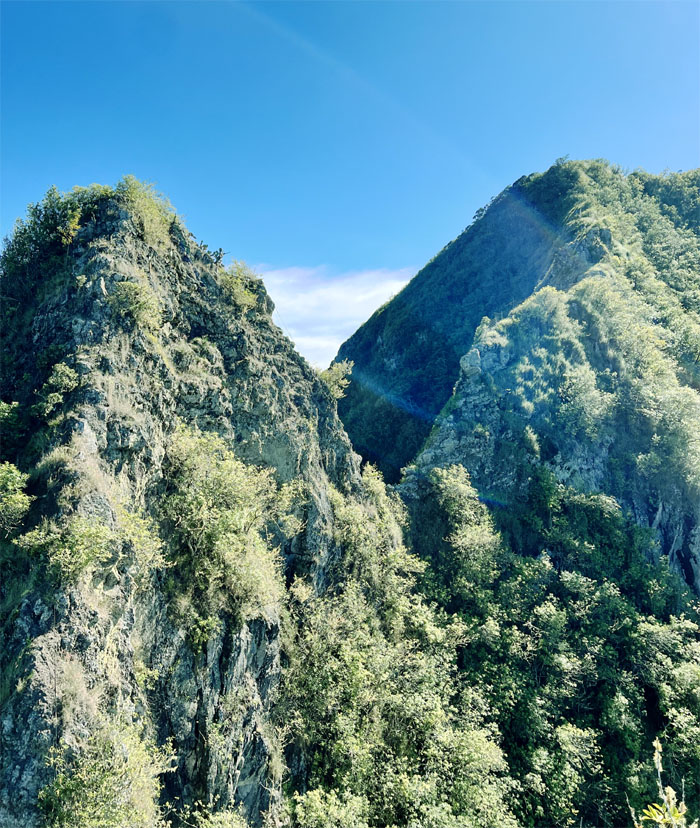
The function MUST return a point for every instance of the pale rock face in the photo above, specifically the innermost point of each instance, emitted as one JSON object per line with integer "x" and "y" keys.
{"x": 211, "y": 365}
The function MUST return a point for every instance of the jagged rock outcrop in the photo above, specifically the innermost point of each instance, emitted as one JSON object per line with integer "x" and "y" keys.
{"x": 118, "y": 327}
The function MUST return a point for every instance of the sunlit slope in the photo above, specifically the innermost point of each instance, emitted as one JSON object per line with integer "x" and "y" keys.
{"x": 578, "y": 220}
{"x": 598, "y": 383}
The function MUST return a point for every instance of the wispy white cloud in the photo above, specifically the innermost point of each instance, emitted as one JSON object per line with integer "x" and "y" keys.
{"x": 319, "y": 310}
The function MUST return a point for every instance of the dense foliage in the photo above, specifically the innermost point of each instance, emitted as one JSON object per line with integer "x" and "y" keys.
{"x": 583, "y": 649}
{"x": 385, "y": 730}
{"x": 581, "y": 643}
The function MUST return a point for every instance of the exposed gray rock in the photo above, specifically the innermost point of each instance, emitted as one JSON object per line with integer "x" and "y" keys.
{"x": 110, "y": 641}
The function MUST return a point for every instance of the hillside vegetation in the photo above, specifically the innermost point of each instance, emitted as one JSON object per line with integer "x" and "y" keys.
{"x": 638, "y": 233}
{"x": 211, "y": 616}
{"x": 208, "y": 615}
{"x": 553, "y": 491}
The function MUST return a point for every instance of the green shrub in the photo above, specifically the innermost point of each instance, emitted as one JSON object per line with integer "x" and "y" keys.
{"x": 71, "y": 549}
{"x": 370, "y": 532}
{"x": 111, "y": 780}
{"x": 155, "y": 212}
{"x": 142, "y": 543}
{"x": 201, "y": 817}
{"x": 325, "y": 809}
{"x": 36, "y": 257}
{"x": 137, "y": 301}
{"x": 236, "y": 280}
{"x": 11, "y": 430}
{"x": 337, "y": 377}
{"x": 62, "y": 380}
{"x": 14, "y": 503}
{"x": 40, "y": 243}
{"x": 54, "y": 220}
{"x": 370, "y": 696}
{"x": 219, "y": 508}
{"x": 562, "y": 644}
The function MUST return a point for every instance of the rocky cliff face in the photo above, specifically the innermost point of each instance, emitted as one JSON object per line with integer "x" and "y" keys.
{"x": 590, "y": 365}
{"x": 120, "y": 329}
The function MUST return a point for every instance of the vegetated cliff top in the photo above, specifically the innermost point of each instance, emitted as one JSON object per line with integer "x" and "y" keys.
{"x": 549, "y": 229}
{"x": 100, "y": 263}
{"x": 134, "y": 366}
{"x": 100, "y": 270}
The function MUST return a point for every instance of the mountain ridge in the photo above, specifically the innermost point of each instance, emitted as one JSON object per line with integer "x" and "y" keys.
{"x": 212, "y": 615}
{"x": 144, "y": 331}
{"x": 629, "y": 261}
{"x": 203, "y": 600}
{"x": 530, "y": 218}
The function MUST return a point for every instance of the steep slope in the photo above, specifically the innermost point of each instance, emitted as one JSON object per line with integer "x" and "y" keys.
{"x": 599, "y": 365}
{"x": 555, "y": 488}
{"x": 210, "y": 618}
{"x": 556, "y": 497}
{"x": 599, "y": 381}
{"x": 546, "y": 229}
{"x": 201, "y": 596}
{"x": 116, "y": 333}
{"x": 407, "y": 355}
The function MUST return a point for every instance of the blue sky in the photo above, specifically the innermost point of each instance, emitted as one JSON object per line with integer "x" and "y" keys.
{"x": 338, "y": 146}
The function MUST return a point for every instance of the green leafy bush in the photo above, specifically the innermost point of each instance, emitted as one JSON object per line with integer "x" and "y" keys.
{"x": 325, "y": 809}
{"x": 110, "y": 780}
{"x": 137, "y": 301}
{"x": 580, "y": 646}
{"x": 668, "y": 811}
{"x": 71, "y": 549}
{"x": 337, "y": 377}
{"x": 51, "y": 223}
{"x": 11, "y": 429}
{"x": 14, "y": 502}
{"x": 237, "y": 280}
{"x": 219, "y": 508}
{"x": 36, "y": 258}
{"x": 153, "y": 209}
{"x": 80, "y": 544}
{"x": 62, "y": 380}
{"x": 201, "y": 817}
{"x": 41, "y": 243}
{"x": 141, "y": 543}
